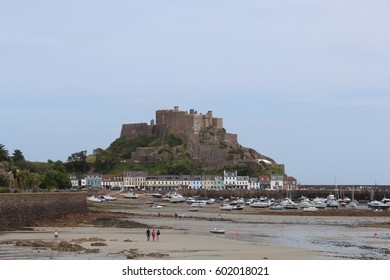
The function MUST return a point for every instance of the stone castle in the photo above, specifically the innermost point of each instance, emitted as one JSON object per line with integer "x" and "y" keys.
{"x": 204, "y": 136}
{"x": 187, "y": 125}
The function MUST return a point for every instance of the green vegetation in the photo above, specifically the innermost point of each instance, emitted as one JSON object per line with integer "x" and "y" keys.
{"x": 31, "y": 176}
{"x": 170, "y": 156}
{"x": 237, "y": 151}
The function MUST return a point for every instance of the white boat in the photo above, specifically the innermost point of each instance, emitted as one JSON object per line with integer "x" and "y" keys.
{"x": 260, "y": 204}
{"x": 210, "y": 201}
{"x": 276, "y": 207}
{"x": 226, "y": 207}
{"x": 238, "y": 207}
{"x": 155, "y": 206}
{"x": 319, "y": 204}
{"x": 352, "y": 204}
{"x": 198, "y": 204}
{"x": 94, "y": 198}
{"x": 319, "y": 199}
{"x": 193, "y": 209}
{"x": 378, "y": 205}
{"x": 347, "y": 200}
{"x": 385, "y": 200}
{"x": 177, "y": 198}
{"x": 218, "y": 231}
{"x": 310, "y": 209}
{"x": 332, "y": 203}
{"x": 109, "y": 198}
{"x": 305, "y": 204}
{"x": 190, "y": 200}
{"x": 233, "y": 202}
{"x": 289, "y": 204}
{"x": 249, "y": 201}
{"x": 131, "y": 195}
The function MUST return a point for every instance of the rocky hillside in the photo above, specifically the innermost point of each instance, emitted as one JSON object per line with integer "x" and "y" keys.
{"x": 207, "y": 152}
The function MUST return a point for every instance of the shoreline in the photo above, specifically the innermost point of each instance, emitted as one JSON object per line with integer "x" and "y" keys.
{"x": 250, "y": 234}
{"x": 119, "y": 243}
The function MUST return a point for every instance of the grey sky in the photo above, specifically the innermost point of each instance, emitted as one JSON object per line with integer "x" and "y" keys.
{"x": 304, "y": 82}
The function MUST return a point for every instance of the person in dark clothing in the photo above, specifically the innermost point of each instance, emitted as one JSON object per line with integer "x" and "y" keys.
{"x": 148, "y": 234}
{"x": 158, "y": 235}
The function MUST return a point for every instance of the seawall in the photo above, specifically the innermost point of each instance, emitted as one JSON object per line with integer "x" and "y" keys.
{"x": 23, "y": 210}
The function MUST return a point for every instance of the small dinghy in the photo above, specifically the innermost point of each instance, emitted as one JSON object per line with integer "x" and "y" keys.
{"x": 218, "y": 231}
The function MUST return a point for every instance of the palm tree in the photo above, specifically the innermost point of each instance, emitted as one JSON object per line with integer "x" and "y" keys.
{"x": 18, "y": 155}
{"x": 4, "y": 156}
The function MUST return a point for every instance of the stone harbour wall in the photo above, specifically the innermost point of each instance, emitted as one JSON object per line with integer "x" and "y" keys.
{"x": 23, "y": 210}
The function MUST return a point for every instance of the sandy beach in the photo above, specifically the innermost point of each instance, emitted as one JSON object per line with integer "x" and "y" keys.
{"x": 249, "y": 236}
{"x": 116, "y": 243}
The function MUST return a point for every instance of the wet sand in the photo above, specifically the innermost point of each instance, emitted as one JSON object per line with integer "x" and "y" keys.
{"x": 173, "y": 244}
{"x": 250, "y": 235}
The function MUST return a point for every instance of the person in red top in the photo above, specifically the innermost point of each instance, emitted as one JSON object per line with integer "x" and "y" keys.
{"x": 153, "y": 235}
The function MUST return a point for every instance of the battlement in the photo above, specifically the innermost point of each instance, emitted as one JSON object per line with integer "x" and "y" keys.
{"x": 179, "y": 122}
{"x": 186, "y": 124}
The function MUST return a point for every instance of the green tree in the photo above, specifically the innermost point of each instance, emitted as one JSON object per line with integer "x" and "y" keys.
{"x": 4, "y": 155}
{"x": 105, "y": 160}
{"x": 77, "y": 163}
{"x": 18, "y": 156}
{"x": 59, "y": 166}
{"x": 55, "y": 179}
{"x": 29, "y": 180}
{"x": 3, "y": 180}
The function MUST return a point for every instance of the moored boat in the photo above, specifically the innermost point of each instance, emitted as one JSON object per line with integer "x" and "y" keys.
{"x": 374, "y": 204}
{"x": 218, "y": 231}
{"x": 289, "y": 204}
{"x": 109, "y": 198}
{"x": 198, "y": 204}
{"x": 260, "y": 204}
{"x": 94, "y": 198}
{"x": 131, "y": 195}
{"x": 276, "y": 207}
{"x": 177, "y": 198}
{"x": 310, "y": 209}
{"x": 210, "y": 201}
{"x": 238, "y": 207}
{"x": 226, "y": 207}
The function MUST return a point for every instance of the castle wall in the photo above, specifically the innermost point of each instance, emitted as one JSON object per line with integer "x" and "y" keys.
{"x": 136, "y": 130}
{"x": 231, "y": 139}
{"x": 217, "y": 122}
{"x": 199, "y": 123}
{"x": 23, "y": 210}
{"x": 173, "y": 122}
{"x": 200, "y": 132}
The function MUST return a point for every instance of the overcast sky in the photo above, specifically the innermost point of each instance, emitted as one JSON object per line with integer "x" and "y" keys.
{"x": 306, "y": 83}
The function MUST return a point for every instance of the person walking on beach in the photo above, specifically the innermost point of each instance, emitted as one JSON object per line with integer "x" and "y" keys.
{"x": 55, "y": 235}
{"x": 148, "y": 234}
{"x": 158, "y": 235}
{"x": 153, "y": 235}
